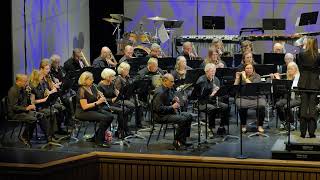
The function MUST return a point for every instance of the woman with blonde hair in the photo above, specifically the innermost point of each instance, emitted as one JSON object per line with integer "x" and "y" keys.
{"x": 92, "y": 106}
{"x": 214, "y": 58}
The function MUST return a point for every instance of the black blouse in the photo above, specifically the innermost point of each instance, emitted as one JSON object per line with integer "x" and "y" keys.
{"x": 84, "y": 94}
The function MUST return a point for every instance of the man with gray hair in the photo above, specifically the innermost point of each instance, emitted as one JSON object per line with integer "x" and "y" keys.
{"x": 187, "y": 51}
{"x": 210, "y": 84}
{"x": 128, "y": 54}
{"x": 151, "y": 69}
{"x": 278, "y": 48}
{"x": 155, "y": 51}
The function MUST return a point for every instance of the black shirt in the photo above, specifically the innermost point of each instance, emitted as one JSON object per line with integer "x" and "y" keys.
{"x": 91, "y": 98}
{"x": 107, "y": 90}
{"x": 100, "y": 63}
{"x": 18, "y": 100}
{"x": 162, "y": 102}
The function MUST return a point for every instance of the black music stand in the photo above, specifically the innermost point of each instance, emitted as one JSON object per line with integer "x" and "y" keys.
{"x": 226, "y": 90}
{"x": 283, "y": 87}
{"x": 274, "y": 24}
{"x": 274, "y": 58}
{"x": 308, "y": 18}
{"x": 136, "y": 64}
{"x": 96, "y": 72}
{"x": 52, "y": 98}
{"x": 226, "y": 75}
{"x": 238, "y": 58}
{"x": 213, "y": 22}
{"x": 199, "y": 94}
{"x": 194, "y": 64}
{"x": 228, "y": 60}
{"x": 166, "y": 63}
{"x": 265, "y": 69}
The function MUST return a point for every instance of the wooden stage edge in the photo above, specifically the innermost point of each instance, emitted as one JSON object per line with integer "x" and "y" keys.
{"x": 177, "y": 160}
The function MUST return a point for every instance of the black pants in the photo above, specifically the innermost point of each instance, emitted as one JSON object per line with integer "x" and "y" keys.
{"x": 104, "y": 118}
{"x": 243, "y": 113}
{"x": 30, "y": 118}
{"x": 212, "y": 111}
{"x": 282, "y": 110}
{"x": 123, "y": 115}
{"x": 183, "y": 121}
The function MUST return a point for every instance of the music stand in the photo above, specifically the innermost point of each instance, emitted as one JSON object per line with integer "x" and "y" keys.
{"x": 228, "y": 60}
{"x": 194, "y": 64}
{"x": 265, "y": 69}
{"x": 50, "y": 102}
{"x": 274, "y": 24}
{"x": 281, "y": 87}
{"x": 167, "y": 63}
{"x": 226, "y": 90}
{"x": 308, "y": 18}
{"x": 213, "y": 22}
{"x": 274, "y": 58}
{"x": 238, "y": 58}
{"x": 226, "y": 75}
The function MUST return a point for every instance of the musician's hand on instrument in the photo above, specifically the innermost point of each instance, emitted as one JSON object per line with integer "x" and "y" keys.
{"x": 53, "y": 90}
{"x": 238, "y": 74}
{"x": 276, "y": 76}
{"x": 176, "y": 105}
{"x": 116, "y": 92}
{"x": 220, "y": 65}
{"x": 101, "y": 100}
{"x": 214, "y": 91}
{"x": 31, "y": 107}
{"x": 243, "y": 74}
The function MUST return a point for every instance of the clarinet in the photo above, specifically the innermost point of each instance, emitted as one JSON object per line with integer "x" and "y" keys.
{"x": 100, "y": 94}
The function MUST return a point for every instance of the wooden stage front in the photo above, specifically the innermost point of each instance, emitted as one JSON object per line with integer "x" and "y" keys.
{"x": 114, "y": 166}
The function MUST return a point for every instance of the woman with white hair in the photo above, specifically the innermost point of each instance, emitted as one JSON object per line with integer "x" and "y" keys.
{"x": 180, "y": 69}
{"x": 91, "y": 107}
{"x": 121, "y": 83}
{"x": 293, "y": 74}
{"x": 106, "y": 86}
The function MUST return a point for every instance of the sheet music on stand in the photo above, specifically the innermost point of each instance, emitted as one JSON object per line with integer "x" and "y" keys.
{"x": 307, "y": 18}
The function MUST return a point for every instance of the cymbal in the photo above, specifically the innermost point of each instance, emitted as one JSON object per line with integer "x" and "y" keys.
{"x": 111, "y": 20}
{"x": 157, "y": 18}
{"x": 120, "y": 17}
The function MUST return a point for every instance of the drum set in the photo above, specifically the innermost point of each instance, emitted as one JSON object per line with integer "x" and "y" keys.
{"x": 140, "y": 40}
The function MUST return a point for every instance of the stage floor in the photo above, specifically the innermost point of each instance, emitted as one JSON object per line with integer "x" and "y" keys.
{"x": 255, "y": 147}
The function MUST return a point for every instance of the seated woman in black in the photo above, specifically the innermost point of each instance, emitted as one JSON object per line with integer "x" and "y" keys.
{"x": 91, "y": 106}
{"x": 245, "y": 102}
{"x": 247, "y": 58}
{"x": 106, "y": 86}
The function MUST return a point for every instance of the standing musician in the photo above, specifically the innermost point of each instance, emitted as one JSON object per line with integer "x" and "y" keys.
{"x": 92, "y": 106}
{"x": 75, "y": 63}
{"x": 21, "y": 108}
{"x": 210, "y": 83}
{"x": 281, "y": 105}
{"x": 166, "y": 109}
{"x": 105, "y": 60}
{"x": 128, "y": 54}
{"x": 214, "y": 58}
{"x": 187, "y": 51}
{"x": 106, "y": 86}
{"x": 246, "y": 102}
{"x": 309, "y": 61}
{"x": 122, "y": 82}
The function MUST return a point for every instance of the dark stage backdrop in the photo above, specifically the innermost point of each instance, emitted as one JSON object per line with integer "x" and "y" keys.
{"x": 100, "y": 30}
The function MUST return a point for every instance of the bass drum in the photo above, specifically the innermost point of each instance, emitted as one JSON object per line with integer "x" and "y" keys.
{"x": 141, "y": 51}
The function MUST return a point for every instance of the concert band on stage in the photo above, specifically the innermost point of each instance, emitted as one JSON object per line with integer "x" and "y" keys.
{"x": 46, "y": 97}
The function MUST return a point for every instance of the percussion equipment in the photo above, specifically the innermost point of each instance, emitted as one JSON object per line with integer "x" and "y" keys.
{"x": 156, "y": 80}
{"x": 120, "y": 17}
{"x": 111, "y": 20}
{"x": 141, "y": 51}
{"x": 145, "y": 38}
{"x": 157, "y": 18}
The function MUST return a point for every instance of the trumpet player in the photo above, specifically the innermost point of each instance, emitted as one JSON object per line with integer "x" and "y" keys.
{"x": 91, "y": 106}
{"x": 75, "y": 63}
{"x": 21, "y": 108}
{"x": 107, "y": 87}
{"x": 166, "y": 108}
{"x": 105, "y": 60}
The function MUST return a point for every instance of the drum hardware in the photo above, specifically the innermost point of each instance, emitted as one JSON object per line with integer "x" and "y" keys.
{"x": 156, "y": 19}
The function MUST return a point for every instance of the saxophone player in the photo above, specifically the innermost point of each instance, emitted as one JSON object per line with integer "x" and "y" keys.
{"x": 21, "y": 108}
{"x": 75, "y": 63}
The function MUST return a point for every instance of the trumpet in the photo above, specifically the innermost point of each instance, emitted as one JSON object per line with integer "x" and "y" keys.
{"x": 269, "y": 75}
{"x": 85, "y": 61}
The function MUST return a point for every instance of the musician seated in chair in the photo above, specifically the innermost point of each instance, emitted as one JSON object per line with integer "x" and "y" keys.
{"x": 281, "y": 105}
{"x": 166, "y": 110}
{"x": 278, "y": 48}
{"x": 21, "y": 108}
{"x": 187, "y": 51}
{"x": 123, "y": 81}
{"x": 246, "y": 102}
{"x": 155, "y": 51}
{"x": 247, "y": 58}
{"x": 105, "y": 60}
{"x": 246, "y": 46}
{"x": 210, "y": 83}
{"x": 214, "y": 58}
{"x": 128, "y": 54}
{"x": 75, "y": 63}
{"x": 151, "y": 69}
{"x": 106, "y": 86}
{"x": 92, "y": 106}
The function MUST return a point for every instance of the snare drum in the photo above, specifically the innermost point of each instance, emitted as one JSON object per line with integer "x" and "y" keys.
{"x": 141, "y": 51}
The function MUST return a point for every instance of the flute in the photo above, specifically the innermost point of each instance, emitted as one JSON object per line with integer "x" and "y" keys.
{"x": 265, "y": 76}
